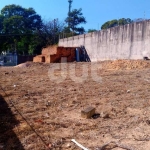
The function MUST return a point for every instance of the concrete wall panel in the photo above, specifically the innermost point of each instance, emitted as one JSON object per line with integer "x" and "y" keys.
{"x": 131, "y": 41}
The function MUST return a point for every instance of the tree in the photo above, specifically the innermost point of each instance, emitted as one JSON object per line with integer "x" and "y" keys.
{"x": 20, "y": 20}
{"x": 124, "y": 21}
{"x": 1, "y": 23}
{"x": 110, "y": 24}
{"x": 91, "y": 30}
{"x": 49, "y": 34}
{"x": 116, "y": 22}
{"x": 19, "y": 26}
{"x": 139, "y": 20}
{"x": 75, "y": 17}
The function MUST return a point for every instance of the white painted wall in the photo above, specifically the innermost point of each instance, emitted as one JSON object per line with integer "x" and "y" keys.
{"x": 131, "y": 41}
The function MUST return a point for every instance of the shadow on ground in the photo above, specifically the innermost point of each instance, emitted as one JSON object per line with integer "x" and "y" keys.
{"x": 8, "y": 139}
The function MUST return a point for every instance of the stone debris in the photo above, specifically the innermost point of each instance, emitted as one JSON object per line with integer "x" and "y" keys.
{"x": 88, "y": 112}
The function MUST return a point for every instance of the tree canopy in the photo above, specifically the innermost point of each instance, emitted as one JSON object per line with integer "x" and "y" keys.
{"x": 22, "y": 29}
{"x": 49, "y": 34}
{"x": 116, "y": 22}
{"x": 20, "y": 20}
{"x": 74, "y": 19}
{"x": 18, "y": 26}
{"x": 91, "y": 30}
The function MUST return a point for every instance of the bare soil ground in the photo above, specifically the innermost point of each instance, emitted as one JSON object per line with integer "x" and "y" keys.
{"x": 48, "y": 114}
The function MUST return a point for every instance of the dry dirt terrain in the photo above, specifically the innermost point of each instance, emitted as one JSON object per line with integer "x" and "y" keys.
{"x": 39, "y": 113}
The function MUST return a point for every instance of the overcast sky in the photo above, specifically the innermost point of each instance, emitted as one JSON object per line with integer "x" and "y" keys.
{"x": 96, "y": 12}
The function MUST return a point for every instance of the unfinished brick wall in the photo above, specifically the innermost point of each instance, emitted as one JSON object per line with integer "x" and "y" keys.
{"x": 50, "y": 50}
{"x": 53, "y": 54}
{"x": 71, "y": 57}
{"x": 39, "y": 58}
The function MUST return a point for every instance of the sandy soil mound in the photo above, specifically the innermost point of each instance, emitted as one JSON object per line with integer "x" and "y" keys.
{"x": 126, "y": 64}
{"x": 23, "y": 65}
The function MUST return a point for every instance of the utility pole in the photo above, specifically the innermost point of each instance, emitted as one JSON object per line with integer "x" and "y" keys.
{"x": 70, "y": 2}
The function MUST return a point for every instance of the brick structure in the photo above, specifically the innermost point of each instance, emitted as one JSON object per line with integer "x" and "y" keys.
{"x": 39, "y": 58}
{"x": 53, "y": 54}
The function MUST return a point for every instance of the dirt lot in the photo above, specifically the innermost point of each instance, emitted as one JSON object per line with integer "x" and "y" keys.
{"x": 38, "y": 113}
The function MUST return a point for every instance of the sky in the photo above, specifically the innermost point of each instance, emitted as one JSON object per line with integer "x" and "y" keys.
{"x": 96, "y": 12}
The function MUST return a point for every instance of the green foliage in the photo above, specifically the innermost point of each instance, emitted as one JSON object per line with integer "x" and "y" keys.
{"x": 75, "y": 18}
{"x": 31, "y": 50}
{"x": 124, "y": 21}
{"x": 1, "y": 23}
{"x": 22, "y": 29}
{"x": 18, "y": 27}
{"x": 110, "y": 24}
{"x": 20, "y": 20}
{"x": 91, "y": 30}
{"x": 116, "y": 22}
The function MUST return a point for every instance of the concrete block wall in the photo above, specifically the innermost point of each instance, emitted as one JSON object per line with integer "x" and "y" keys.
{"x": 131, "y": 41}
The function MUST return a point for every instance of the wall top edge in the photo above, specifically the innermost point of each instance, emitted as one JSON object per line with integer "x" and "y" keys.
{"x": 108, "y": 30}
